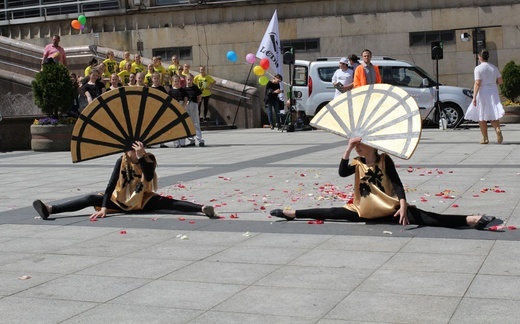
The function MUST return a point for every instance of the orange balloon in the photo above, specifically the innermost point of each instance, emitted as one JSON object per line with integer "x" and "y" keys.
{"x": 75, "y": 24}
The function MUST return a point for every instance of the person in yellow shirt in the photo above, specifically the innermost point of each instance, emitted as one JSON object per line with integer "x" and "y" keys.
{"x": 124, "y": 75}
{"x": 126, "y": 59}
{"x": 148, "y": 75}
{"x": 174, "y": 67}
{"x": 91, "y": 64}
{"x": 186, "y": 70}
{"x": 157, "y": 66}
{"x": 137, "y": 65}
{"x": 204, "y": 82}
{"x": 110, "y": 65}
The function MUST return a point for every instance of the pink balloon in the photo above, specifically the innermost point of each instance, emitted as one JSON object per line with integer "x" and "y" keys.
{"x": 264, "y": 63}
{"x": 250, "y": 58}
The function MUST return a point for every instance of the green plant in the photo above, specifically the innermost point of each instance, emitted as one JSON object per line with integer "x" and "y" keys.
{"x": 52, "y": 90}
{"x": 510, "y": 88}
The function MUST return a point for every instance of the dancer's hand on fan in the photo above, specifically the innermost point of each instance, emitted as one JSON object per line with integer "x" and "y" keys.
{"x": 139, "y": 149}
{"x": 352, "y": 143}
{"x": 402, "y": 213}
{"x": 101, "y": 213}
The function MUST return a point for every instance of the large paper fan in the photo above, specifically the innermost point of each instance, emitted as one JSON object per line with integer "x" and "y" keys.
{"x": 116, "y": 119}
{"x": 384, "y": 116}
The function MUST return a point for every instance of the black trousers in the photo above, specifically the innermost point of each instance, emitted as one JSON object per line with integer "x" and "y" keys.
{"x": 155, "y": 203}
{"x": 205, "y": 101}
{"x": 415, "y": 216}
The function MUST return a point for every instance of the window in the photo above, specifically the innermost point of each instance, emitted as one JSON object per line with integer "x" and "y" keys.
{"x": 326, "y": 73}
{"x": 183, "y": 53}
{"x": 300, "y": 76}
{"x": 303, "y": 45}
{"x": 425, "y": 38}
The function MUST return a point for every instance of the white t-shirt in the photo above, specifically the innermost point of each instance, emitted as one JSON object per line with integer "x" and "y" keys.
{"x": 345, "y": 77}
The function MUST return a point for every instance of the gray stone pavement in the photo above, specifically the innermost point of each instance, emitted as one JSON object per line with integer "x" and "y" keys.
{"x": 248, "y": 267}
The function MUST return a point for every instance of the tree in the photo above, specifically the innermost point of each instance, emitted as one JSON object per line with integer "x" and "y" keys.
{"x": 510, "y": 88}
{"x": 52, "y": 90}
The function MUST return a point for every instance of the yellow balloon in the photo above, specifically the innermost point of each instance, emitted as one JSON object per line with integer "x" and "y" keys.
{"x": 258, "y": 70}
{"x": 263, "y": 80}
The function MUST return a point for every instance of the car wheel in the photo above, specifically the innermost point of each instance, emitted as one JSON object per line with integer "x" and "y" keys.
{"x": 453, "y": 114}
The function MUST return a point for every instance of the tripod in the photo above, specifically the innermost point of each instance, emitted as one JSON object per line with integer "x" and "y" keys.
{"x": 288, "y": 124}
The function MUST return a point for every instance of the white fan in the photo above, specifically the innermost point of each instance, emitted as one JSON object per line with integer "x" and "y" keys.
{"x": 384, "y": 116}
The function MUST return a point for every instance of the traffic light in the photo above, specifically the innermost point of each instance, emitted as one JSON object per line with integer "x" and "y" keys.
{"x": 288, "y": 55}
{"x": 437, "y": 50}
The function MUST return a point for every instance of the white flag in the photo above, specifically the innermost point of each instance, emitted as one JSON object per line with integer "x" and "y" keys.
{"x": 270, "y": 46}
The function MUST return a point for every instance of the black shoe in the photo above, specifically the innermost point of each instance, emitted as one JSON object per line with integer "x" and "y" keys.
{"x": 279, "y": 213}
{"x": 484, "y": 221}
{"x": 41, "y": 209}
{"x": 191, "y": 144}
{"x": 201, "y": 144}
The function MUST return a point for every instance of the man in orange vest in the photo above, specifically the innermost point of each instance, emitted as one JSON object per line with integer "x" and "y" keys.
{"x": 366, "y": 73}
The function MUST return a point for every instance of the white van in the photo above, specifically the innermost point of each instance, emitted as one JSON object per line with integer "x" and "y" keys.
{"x": 312, "y": 87}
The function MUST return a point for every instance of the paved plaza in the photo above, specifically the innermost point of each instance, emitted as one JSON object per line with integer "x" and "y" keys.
{"x": 248, "y": 267}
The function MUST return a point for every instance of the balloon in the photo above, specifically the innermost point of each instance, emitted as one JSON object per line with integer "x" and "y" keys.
{"x": 82, "y": 20}
{"x": 250, "y": 58}
{"x": 263, "y": 80}
{"x": 232, "y": 56}
{"x": 258, "y": 70}
{"x": 264, "y": 63}
{"x": 75, "y": 24}
{"x": 82, "y": 27}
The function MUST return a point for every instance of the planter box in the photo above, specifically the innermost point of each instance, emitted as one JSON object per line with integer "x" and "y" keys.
{"x": 51, "y": 138}
{"x": 15, "y": 133}
{"x": 512, "y": 115}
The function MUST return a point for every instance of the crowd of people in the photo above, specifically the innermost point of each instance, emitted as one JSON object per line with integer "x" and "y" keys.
{"x": 192, "y": 92}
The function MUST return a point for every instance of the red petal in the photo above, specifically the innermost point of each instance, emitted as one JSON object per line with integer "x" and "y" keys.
{"x": 191, "y": 222}
{"x": 93, "y": 219}
{"x": 122, "y": 232}
{"x": 262, "y": 207}
{"x": 511, "y": 227}
{"x": 476, "y": 196}
{"x": 319, "y": 221}
{"x": 182, "y": 219}
{"x": 455, "y": 205}
{"x": 311, "y": 222}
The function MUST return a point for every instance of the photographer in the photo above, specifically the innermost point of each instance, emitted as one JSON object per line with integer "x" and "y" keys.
{"x": 272, "y": 101}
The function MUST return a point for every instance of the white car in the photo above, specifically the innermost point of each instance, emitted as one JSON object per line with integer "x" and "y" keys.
{"x": 312, "y": 87}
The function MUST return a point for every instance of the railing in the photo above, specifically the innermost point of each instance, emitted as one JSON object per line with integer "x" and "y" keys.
{"x": 43, "y": 10}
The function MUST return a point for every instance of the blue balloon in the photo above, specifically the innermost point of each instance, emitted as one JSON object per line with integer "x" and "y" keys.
{"x": 232, "y": 56}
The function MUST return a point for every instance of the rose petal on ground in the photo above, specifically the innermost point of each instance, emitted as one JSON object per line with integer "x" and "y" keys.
{"x": 93, "y": 219}
{"x": 454, "y": 205}
{"x": 246, "y": 234}
{"x": 387, "y": 232}
{"x": 262, "y": 207}
{"x": 311, "y": 222}
{"x": 476, "y": 196}
{"x": 24, "y": 277}
{"x": 319, "y": 221}
{"x": 122, "y": 232}
{"x": 182, "y": 219}
{"x": 191, "y": 222}
{"x": 511, "y": 227}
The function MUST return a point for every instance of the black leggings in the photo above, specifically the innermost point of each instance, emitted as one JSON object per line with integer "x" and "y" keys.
{"x": 155, "y": 203}
{"x": 415, "y": 216}
{"x": 205, "y": 101}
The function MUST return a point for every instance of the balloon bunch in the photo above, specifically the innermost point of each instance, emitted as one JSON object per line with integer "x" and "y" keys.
{"x": 79, "y": 24}
{"x": 258, "y": 70}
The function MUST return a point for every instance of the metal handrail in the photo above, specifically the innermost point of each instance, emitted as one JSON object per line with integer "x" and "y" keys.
{"x": 78, "y": 3}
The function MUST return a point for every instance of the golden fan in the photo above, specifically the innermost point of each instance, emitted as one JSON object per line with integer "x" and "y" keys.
{"x": 384, "y": 116}
{"x": 116, "y": 119}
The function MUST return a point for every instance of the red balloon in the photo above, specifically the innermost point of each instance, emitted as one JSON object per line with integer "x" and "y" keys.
{"x": 264, "y": 63}
{"x": 75, "y": 24}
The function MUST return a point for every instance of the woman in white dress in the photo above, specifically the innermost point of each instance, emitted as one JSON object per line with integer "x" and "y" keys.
{"x": 486, "y": 104}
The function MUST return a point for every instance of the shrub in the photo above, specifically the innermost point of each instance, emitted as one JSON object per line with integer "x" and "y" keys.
{"x": 510, "y": 88}
{"x": 52, "y": 90}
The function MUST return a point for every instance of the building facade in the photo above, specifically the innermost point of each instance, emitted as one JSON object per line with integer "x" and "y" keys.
{"x": 202, "y": 32}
